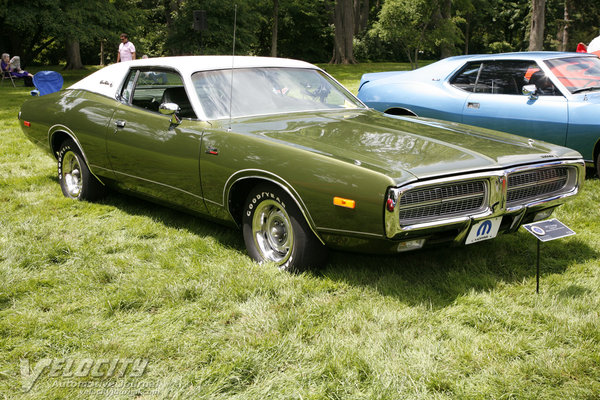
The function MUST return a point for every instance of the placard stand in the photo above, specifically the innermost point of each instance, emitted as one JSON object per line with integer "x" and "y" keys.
{"x": 537, "y": 269}
{"x": 545, "y": 231}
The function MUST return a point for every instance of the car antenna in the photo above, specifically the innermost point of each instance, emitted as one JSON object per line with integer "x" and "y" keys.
{"x": 232, "y": 58}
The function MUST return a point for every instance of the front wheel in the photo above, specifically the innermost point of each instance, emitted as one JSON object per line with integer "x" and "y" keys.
{"x": 598, "y": 165}
{"x": 76, "y": 180}
{"x": 276, "y": 231}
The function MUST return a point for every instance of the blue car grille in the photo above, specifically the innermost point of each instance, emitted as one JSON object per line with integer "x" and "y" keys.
{"x": 530, "y": 185}
{"x": 444, "y": 201}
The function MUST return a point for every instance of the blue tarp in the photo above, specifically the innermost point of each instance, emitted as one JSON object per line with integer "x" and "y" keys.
{"x": 47, "y": 82}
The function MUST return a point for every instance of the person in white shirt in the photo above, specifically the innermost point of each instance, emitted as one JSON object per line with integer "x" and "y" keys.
{"x": 126, "y": 49}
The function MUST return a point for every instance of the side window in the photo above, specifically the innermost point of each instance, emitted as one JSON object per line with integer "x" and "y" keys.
{"x": 467, "y": 77}
{"x": 543, "y": 84}
{"x": 503, "y": 77}
{"x": 128, "y": 87}
{"x": 148, "y": 88}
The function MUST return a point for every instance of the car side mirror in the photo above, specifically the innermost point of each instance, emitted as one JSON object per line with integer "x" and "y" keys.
{"x": 531, "y": 91}
{"x": 171, "y": 109}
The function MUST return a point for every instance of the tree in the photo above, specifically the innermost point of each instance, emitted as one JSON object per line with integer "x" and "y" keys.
{"x": 275, "y": 27}
{"x": 361, "y": 16}
{"x": 446, "y": 33}
{"x": 303, "y": 29}
{"x": 536, "y": 36}
{"x": 407, "y": 24}
{"x": 343, "y": 21}
{"x": 27, "y": 27}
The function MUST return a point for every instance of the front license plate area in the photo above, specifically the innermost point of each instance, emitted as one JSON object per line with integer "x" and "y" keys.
{"x": 484, "y": 230}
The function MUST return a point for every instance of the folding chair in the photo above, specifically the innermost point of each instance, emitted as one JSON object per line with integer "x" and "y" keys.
{"x": 7, "y": 75}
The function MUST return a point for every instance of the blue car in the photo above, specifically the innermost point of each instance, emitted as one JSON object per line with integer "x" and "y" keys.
{"x": 550, "y": 96}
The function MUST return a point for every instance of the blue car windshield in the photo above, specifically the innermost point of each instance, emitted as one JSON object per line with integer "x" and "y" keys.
{"x": 261, "y": 91}
{"x": 577, "y": 74}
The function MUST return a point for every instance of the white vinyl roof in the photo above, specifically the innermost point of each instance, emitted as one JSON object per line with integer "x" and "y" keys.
{"x": 108, "y": 80}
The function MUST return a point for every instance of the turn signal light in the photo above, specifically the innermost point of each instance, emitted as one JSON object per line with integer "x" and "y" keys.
{"x": 27, "y": 123}
{"x": 339, "y": 201}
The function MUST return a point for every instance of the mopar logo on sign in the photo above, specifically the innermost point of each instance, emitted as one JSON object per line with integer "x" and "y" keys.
{"x": 484, "y": 230}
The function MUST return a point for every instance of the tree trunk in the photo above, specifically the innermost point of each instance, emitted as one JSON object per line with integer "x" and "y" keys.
{"x": 73, "y": 54}
{"x": 564, "y": 32}
{"x": 172, "y": 7}
{"x": 364, "y": 16}
{"x": 356, "y": 17}
{"x": 467, "y": 33}
{"x": 275, "y": 27}
{"x": 536, "y": 36}
{"x": 447, "y": 48}
{"x": 361, "y": 16}
{"x": 102, "y": 52}
{"x": 344, "y": 32}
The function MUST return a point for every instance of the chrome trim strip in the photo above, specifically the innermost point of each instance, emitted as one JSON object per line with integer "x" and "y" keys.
{"x": 497, "y": 196}
{"x": 322, "y": 110}
{"x": 159, "y": 183}
{"x": 331, "y": 230}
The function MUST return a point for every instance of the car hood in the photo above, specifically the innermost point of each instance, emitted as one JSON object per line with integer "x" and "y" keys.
{"x": 402, "y": 147}
{"x": 591, "y": 97}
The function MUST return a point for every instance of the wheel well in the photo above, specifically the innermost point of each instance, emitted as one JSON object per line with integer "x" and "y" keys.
{"x": 57, "y": 139}
{"x": 240, "y": 190}
{"x": 237, "y": 196}
{"x": 400, "y": 111}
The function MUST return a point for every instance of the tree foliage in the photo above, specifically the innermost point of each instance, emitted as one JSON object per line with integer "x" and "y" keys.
{"x": 49, "y": 31}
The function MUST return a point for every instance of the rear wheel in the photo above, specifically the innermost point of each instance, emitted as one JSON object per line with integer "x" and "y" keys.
{"x": 276, "y": 231}
{"x": 76, "y": 180}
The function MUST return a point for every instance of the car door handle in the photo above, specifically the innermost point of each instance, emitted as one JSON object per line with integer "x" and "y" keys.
{"x": 120, "y": 124}
{"x": 473, "y": 105}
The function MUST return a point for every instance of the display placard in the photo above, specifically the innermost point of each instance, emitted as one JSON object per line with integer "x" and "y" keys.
{"x": 548, "y": 230}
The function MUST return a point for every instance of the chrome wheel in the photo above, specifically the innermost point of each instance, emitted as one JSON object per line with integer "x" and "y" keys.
{"x": 275, "y": 230}
{"x": 272, "y": 231}
{"x": 71, "y": 174}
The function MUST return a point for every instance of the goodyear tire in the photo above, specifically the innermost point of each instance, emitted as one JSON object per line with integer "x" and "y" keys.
{"x": 75, "y": 178}
{"x": 276, "y": 231}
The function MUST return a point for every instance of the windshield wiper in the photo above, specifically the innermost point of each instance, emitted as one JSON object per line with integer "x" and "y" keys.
{"x": 585, "y": 89}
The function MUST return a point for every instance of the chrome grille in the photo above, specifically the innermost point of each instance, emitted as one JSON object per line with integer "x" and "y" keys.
{"x": 434, "y": 202}
{"x": 529, "y": 185}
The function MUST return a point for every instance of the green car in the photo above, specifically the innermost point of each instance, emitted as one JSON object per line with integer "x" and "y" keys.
{"x": 278, "y": 148}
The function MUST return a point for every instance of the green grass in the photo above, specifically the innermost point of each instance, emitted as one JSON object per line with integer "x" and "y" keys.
{"x": 349, "y": 75}
{"x": 123, "y": 278}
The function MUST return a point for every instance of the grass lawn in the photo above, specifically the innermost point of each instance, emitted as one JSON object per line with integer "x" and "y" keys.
{"x": 123, "y": 281}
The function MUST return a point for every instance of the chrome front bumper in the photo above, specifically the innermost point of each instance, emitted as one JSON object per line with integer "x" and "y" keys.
{"x": 494, "y": 203}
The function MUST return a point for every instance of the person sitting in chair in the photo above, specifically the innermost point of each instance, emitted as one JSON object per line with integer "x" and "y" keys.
{"x": 13, "y": 66}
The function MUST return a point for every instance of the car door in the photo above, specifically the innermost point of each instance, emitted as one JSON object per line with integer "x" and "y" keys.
{"x": 496, "y": 102}
{"x": 147, "y": 152}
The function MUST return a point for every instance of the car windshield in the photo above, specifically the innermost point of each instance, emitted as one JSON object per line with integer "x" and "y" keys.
{"x": 578, "y": 74}
{"x": 259, "y": 91}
